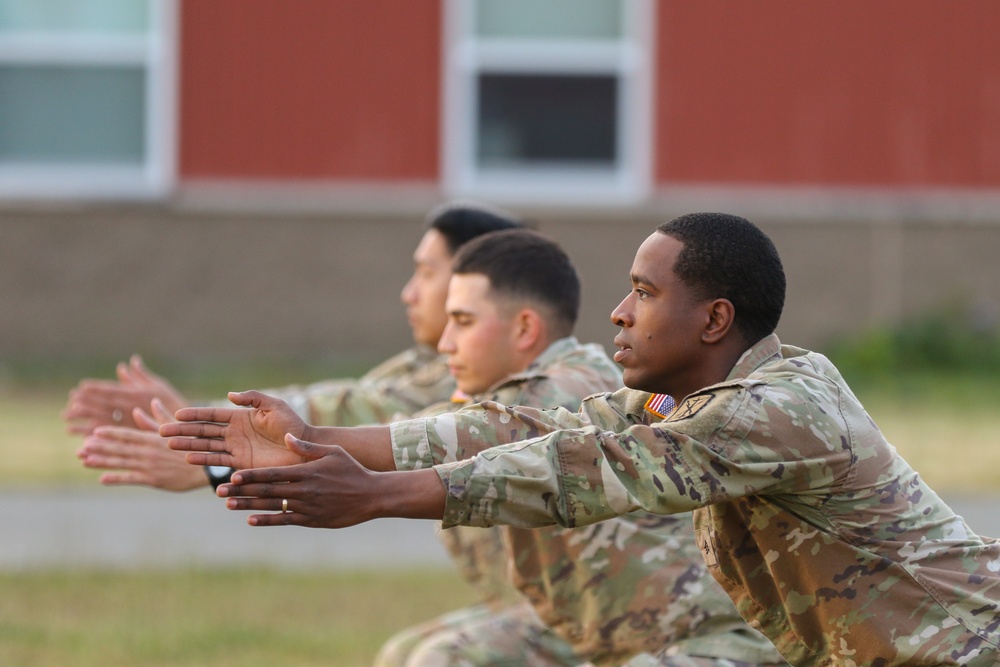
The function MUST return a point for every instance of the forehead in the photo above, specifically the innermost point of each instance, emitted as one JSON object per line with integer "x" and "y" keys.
{"x": 469, "y": 291}
{"x": 655, "y": 259}
{"x": 432, "y": 249}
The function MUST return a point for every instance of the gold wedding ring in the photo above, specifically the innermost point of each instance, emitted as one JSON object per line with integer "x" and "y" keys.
{"x": 284, "y": 505}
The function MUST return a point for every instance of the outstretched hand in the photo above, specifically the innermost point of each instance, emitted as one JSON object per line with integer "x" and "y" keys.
{"x": 237, "y": 437}
{"x": 139, "y": 455}
{"x": 331, "y": 490}
{"x": 93, "y": 403}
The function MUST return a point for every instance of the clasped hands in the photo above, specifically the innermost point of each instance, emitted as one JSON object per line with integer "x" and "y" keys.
{"x": 322, "y": 486}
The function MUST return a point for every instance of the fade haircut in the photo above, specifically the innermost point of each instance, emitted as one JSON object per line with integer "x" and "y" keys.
{"x": 523, "y": 264}
{"x": 726, "y": 256}
{"x": 459, "y": 223}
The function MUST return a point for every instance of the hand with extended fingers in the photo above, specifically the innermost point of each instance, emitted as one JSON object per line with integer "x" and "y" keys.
{"x": 139, "y": 455}
{"x": 237, "y": 437}
{"x": 93, "y": 403}
{"x": 331, "y": 490}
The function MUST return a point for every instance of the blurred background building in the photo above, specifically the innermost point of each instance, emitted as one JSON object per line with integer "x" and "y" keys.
{"x": 248, "y": 178}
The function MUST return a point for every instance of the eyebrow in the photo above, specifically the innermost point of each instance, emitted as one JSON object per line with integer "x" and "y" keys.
{"x": 639, "y": 279}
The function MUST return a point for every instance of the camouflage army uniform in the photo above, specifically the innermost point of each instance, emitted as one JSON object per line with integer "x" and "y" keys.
{"x": 563, "y": 375}
{"x": 395, "y": 389}
{"x": 825, "y": 538}
{"x": 606, "y": 592}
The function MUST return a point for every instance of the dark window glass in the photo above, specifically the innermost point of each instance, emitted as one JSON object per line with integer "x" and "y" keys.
{"x": 539, "y": 119}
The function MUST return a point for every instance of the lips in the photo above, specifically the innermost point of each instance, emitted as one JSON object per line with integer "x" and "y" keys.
{"x": 624, "y": 350}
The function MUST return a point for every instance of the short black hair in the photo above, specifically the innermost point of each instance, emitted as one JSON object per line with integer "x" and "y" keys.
{"x": 459, "y": 223}
{"x": 726, "y": 256}
{"x": 524, "y": 264}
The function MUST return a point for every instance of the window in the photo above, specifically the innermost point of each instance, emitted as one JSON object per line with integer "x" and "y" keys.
{"x": 548, "y": 100}
{"x": 86, "y": 97}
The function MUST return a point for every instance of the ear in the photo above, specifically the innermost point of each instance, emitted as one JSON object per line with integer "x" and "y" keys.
{"x": 528, "y": 329}
{"x": 721, "y": 316}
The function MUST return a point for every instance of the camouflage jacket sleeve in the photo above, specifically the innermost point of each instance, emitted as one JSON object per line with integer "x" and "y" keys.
{"x": 397, "y": 388}
{"x": 563, "y": 377}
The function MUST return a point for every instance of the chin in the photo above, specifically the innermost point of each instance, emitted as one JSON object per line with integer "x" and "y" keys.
{"x": 638, "y": 382}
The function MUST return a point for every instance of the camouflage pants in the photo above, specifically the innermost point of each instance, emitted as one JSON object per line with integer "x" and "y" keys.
{"x": 479, "y": 637}
{"x": 692, "y": 661}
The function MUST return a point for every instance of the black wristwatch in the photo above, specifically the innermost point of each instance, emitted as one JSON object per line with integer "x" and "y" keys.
{"x": 218, "y": 475}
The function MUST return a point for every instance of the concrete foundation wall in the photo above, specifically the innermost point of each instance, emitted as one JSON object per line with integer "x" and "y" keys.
{"x": 168, "y": 281}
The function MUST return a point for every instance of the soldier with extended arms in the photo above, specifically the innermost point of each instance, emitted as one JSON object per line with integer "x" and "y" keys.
{"x": 825, "y": 538}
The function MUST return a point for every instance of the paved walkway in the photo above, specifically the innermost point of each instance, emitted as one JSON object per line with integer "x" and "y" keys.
{"x": 132, "y": 528}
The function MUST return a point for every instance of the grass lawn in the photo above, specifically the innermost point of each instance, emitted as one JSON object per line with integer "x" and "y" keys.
{"x": 249, "y": 617}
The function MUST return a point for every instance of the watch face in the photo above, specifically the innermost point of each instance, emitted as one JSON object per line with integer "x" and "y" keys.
{"x": 219, "y": 471}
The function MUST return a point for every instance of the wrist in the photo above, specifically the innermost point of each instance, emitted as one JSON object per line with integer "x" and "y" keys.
{"x": 408, "y": 494}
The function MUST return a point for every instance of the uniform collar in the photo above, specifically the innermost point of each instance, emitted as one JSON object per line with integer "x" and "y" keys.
{"x": 764, "y": 350}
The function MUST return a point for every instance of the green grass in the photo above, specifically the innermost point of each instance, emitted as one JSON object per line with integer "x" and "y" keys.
{"x": 249, "y": 617}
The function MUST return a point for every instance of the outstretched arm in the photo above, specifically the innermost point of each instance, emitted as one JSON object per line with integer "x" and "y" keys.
{"x": 332, "y": 491}
{"x": 247, "y": 438}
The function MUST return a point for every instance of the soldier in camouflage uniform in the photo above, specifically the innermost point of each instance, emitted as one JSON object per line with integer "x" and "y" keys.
{"x": 397, "y": 388}
{"x": 602, "y": 594}
{"x": 824, "y": 537}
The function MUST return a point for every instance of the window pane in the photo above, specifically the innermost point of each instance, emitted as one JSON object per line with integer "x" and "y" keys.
{"x": 540, "y": 119}
{"x": 581, "y": 19}
{"x": 72, "y": 114}
{"x": 74, "y": 15}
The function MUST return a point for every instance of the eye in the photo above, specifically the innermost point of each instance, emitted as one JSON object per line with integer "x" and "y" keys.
{"x": 641, "y": 293}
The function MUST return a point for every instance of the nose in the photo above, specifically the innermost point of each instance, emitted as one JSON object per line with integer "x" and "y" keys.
{"x": 446, "y": 345}
{"x": 409, "y": 294}
{"x": 622, "y": 315}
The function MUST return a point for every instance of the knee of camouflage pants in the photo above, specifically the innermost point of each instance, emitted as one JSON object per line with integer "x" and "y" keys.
{"x": 398, "y": 649}
{"x": 512, "y": 637}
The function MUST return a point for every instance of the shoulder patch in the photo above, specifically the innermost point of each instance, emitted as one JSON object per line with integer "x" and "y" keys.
{"x": 690, "y": 407}
{"x": 660, "y": 405}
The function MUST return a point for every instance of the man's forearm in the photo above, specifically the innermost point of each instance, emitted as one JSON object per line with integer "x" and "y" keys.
{"x": 371, "y": 446}
{"x": 410, "y": 494}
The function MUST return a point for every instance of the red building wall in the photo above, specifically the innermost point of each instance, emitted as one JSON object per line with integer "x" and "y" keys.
{"x": 854, "y": 92}
{"x": 892, "y": 93}
{"x": 310, "y": 89}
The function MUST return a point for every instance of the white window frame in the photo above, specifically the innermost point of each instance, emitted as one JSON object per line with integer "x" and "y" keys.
{"x": 156, "y": 53}
{"x": 630, "y": 59}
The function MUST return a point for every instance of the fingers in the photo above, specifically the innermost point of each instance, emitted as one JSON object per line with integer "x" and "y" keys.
{"x": 281, "y": 508}
{"x": 193, "y": 444}
{"x": 250, "y": 398}
{"x": 122, "y": 434}
{"x": 160, "y": 412}
{"x": 264, "y": 476}
{"x": 280, "y": 519}
{"x": 144, "y": 420}
{"x": 218, "y": 415}
{"x": 130, "y": 478}
{"x": 310, "y": 451}
{"x": 210, "y": 459}
{"x": 191, "y": 429}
